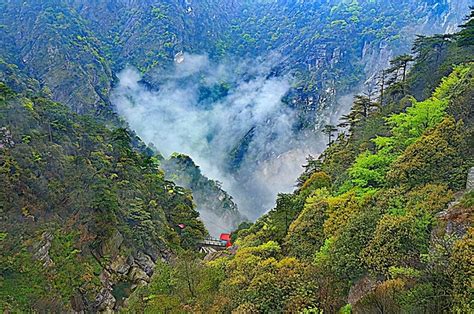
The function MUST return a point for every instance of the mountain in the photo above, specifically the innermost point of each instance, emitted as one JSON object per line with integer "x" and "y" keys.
{"x": 114, "y": 115}
{"x": 382, "y": 221}
{"x": 89, "y": 38}
{"x": 84, "y": 214}
{"x": 215, "y": 206}
{"x": 51, "y": 44}
{"x": 75, "y": 49}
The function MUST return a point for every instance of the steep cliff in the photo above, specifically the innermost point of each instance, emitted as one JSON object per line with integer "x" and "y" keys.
{"x": 50, "y": 43}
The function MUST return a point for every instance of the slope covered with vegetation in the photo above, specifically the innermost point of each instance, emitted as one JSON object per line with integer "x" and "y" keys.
{"x": 75, "y": 48}
{"x": 215, "y": 206}
{"x": 71, "y": 46}
{"x": 84, "y": 216}
{"x": 381, "y": 222}
{"x": 71, "y": 59}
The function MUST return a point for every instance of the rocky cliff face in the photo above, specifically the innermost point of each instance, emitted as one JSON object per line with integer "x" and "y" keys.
{"x": 441, "y": 18}
{"x": 72, "y": 45}
{"x": 52, "y": 44}
{"x": 121, "y": 274}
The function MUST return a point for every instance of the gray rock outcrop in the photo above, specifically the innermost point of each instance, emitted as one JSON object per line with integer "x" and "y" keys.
{"x": 470, "y": 180}
{"x": 41, "y": 249}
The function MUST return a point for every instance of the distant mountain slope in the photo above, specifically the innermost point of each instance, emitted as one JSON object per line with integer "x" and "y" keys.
{"x": 148, "y": 34}
{"x": 71, "y": 45}
{"x": 51, "y": 43}
{"x": 215, "y": 206}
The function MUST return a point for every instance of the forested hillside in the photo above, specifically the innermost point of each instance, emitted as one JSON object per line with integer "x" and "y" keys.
{"x": 71, "y": 46}
{"x": 381, "y": 222}
{"x": 84, "y": 216}
{"x": 93, "y": 219}
{"x": 325, "y": 49}
{"x": 215, "y": 206}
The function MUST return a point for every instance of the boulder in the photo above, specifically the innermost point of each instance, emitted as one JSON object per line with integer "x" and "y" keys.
{"x": 105, "y": 301}
{"x": 145, "y": 262}
{"x": 110, "y": 247}
{"x": 137, "y": 275}
{"x": 120, "y": 265}
{"x": 77, "y": 303}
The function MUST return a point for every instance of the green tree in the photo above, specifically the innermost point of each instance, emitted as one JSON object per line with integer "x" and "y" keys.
{"x": 466, "y": 35}
{"x": 305, "y": 235}
{"x": 397, "y": 241}
{"x": 329, "y": 130}
{"x": 437, "y": 157}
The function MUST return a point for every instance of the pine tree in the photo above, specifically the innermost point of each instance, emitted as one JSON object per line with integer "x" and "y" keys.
{"x": 329, "y": 130}
{"x": 362, "y": 107}
{"x": 399, "y": 67}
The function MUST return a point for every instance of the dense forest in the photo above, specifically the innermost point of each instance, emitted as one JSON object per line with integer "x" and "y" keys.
{"x": 76, "y": 50}
{"x": 92, "y": 219}
{"x": 81, "y": 208}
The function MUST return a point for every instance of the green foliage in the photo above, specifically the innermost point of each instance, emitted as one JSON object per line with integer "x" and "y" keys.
{"x": 305, "y": 234}
{"x": 87, "y": 183}
{"x": 346, "y": 309}
{"x": 406, "y": 127}
{"x": 312, "y": 165}
{"x": 170, "y": 284}
{"x": 466, "y": 35}
{"x": 380, "y": 231}
{"x": 341, "y": 209}
{"x": 73, "y": 271}
{"x": 436, "y": 157}
{"x": 375, "y": 205}
{"x": 256, "y": 277}
{"x": 22, "y": 279}
{"x": 397, "y": 241}
{"x": 207, "y": 194}
{"x": 317, "y": 180}
{"x": 344, "y": 255}
{"x": 462, "y": 269}
{"x": 468, "y": 200}
{"x": 369, "y": 169}
{"x": 241, "y": 229}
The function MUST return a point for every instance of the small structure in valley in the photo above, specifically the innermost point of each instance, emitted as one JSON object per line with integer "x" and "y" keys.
{"x": 210, "y": 245}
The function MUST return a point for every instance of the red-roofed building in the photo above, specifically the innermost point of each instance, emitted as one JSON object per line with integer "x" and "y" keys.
{"x": 226, "y": 237}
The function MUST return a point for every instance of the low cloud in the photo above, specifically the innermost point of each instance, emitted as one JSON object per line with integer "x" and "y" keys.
{"x": 241, "y": 100}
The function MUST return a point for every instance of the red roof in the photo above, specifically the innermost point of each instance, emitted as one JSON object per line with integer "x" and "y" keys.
{"x": 225, "y": 236}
